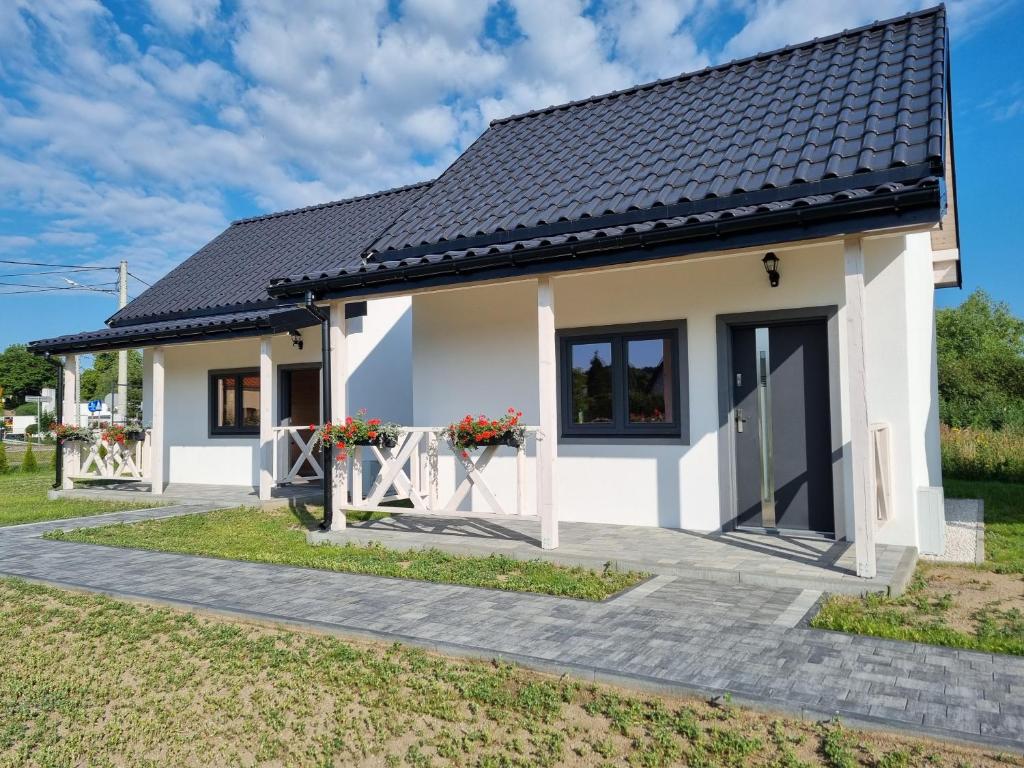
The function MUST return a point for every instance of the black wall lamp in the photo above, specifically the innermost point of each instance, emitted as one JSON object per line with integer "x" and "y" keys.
{"x": 296, "y": 339}
{"x": 771, "y": 266}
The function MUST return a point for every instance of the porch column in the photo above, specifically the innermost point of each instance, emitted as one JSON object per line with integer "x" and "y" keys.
{"x": 337, "y": 474}
{"x": 860, "y": 432}
{"x": 547, "y": 439}
{"x": 156, "y": 432}
{"x": 267, "y": 390}
{"x": 69, "y": 415}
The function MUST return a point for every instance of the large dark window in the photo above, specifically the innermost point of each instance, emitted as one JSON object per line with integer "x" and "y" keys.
{"x": 626, "y": 381}
{"x": 235, "y": 402}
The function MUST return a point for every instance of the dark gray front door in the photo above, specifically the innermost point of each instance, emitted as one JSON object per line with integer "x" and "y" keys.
{"x": 782, "y": 426}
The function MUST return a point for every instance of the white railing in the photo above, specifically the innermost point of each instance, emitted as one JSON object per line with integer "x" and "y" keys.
{"x": 100, "y": 460}
{"x": 411, "y": 471}
{"x": 881, "y": 470}
{"x": 287, "y": 470}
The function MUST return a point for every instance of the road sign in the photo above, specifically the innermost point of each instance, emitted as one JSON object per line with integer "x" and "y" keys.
{"x": 33, "y": 398}
{"x": 95, "y": 405}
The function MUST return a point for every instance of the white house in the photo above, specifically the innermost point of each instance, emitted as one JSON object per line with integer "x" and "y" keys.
{"x": 712, "y": 296}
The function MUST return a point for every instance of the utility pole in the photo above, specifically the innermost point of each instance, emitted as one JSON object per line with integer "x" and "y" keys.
{"x": 121, "y": 401}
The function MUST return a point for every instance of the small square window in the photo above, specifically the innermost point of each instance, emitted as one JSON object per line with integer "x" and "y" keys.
{"x": 623, "y": 381}
{"x": 235, "y": 403}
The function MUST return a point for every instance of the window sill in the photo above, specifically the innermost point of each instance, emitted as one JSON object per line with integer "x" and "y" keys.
{"x": 638, "y": 440}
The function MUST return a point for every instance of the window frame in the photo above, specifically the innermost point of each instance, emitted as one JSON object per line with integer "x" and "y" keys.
{"x": 621, "y": 429}
{"x": 236, "y": 431}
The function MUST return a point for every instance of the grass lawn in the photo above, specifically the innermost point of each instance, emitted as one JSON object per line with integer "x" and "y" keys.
{"x": 279, "y": 536}
{"x": 88, "y": 680}
{"x": 23, "y": 500}
{"x": 963, "y": 606}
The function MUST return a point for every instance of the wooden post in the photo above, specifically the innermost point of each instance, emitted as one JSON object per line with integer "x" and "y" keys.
{"x": 266, "y": 451}
{"x": 547, "y": 438}
{"x": 338, "y": 474}
{"x": 156, "y": 448}
{"x": 71, "y": 451}
{"x": 860, "y": 428}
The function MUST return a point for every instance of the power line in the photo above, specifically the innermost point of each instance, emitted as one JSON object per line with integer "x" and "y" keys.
{"x": 42, "y": 264}
{"x": 49, "y": 272}
{"x": 57, "y": 287}
{"x": 149, "y": 285}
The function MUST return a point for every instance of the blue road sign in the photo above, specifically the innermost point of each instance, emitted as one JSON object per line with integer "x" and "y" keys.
{"x": 95, "y": 405}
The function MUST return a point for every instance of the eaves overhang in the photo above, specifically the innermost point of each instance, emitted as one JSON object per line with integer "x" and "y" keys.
{"x": 230, "y": 326}
{"x": 920, "y": 204}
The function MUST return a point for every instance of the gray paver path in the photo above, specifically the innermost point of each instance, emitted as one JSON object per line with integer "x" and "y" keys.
{"x": 672, "y": 633}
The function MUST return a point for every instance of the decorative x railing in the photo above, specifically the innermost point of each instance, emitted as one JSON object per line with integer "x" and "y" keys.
{"x": 410, "y": 471}
{"x": 102, "y": 460}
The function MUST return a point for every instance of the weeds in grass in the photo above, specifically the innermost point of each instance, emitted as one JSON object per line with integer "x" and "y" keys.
{"x": 87, "y": 680}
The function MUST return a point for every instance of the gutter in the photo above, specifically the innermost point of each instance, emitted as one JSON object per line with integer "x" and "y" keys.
{"x": 907, "y": 206}
{"x": 327, "y": 450}
{"x": 58, "y": 414}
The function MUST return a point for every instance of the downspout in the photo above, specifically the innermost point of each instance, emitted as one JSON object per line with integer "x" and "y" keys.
{"x": 325, "y": 371}
{"x": 58, "y": 414}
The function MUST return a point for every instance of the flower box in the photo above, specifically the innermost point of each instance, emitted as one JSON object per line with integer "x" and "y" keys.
{"x": 469, "y": 433}
{"x": 355, "y": 431}
{"x": 68, "y": 433}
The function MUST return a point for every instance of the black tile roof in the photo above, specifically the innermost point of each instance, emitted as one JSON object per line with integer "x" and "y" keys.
{"x": 224, "y": 325}
{"x": 232, "y": 271}
{"x": 862, "y": 101}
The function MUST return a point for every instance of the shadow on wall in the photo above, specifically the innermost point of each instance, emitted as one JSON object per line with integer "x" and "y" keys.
{"x": 382, "y": 382}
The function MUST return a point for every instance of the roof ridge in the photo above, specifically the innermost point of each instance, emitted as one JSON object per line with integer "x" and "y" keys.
{"x": 938, "y": 10}
{"x": 332, "y": 203}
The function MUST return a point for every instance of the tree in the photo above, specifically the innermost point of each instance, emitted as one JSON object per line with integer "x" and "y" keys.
{"x": 28, "y": 461}
{"x": 100, "y": 380}
{"x": 22, "y": 373}
{"x": 981, "y": 364}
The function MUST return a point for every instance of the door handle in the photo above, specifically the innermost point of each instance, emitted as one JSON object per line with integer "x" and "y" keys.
{"x": 740, "y": 419}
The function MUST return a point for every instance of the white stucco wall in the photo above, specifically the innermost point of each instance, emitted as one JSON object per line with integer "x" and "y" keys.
{"x": 380, "y": 380}
{"x": 902, "y": 385}
{"x": 475, "y": 350}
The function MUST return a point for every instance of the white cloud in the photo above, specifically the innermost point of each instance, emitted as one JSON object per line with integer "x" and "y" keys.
{"x": 10, "y": 242}
{"x": 185, "y": 15}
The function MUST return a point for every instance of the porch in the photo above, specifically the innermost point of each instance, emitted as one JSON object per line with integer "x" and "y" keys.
{"x": 731, "y": 557}
{"x": 734, "y": 557}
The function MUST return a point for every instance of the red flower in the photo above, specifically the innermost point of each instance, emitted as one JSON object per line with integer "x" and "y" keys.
{"x": 465, "y": 454}
{"x": 312, "y": 427}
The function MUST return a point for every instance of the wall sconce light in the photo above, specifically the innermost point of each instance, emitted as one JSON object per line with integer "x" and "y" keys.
{"x": 296, "y": 339}
{"x": 771, "y": 266}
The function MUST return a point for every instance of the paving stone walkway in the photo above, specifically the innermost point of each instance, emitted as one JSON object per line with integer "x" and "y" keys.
{"x": 671, "y": 633}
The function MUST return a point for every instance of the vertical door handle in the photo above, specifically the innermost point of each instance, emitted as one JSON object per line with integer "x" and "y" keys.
{"x": 740, "y": 419}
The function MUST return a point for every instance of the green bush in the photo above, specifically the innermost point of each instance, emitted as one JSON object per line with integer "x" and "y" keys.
{"x": 28, "y": 461}
{"x": 983, "y": 454}
{"x": 26, "y": 409}
{"x": 4, "y": 466}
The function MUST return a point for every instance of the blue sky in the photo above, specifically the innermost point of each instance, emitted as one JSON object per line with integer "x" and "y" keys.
{"x": 138, "y": 130}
